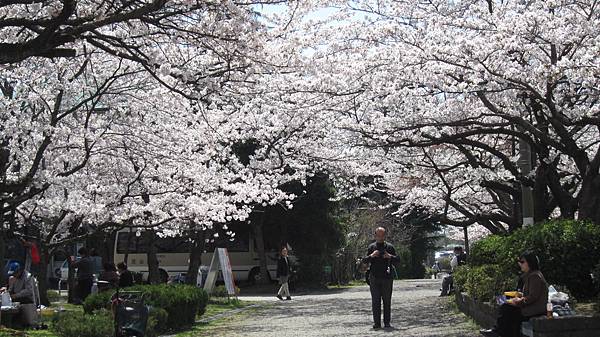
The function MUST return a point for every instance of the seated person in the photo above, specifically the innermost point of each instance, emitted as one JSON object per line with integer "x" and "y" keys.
{"x": 125, "y": 276}
{"x": 459, "y": 259}
{"x": 20, "y": 285}
{"x": 531, "y": 304}
{"x": 20, "y": 288}
{"x": 108, "y": 274}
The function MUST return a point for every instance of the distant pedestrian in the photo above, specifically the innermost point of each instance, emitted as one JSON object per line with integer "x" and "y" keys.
{"x": 381, "y": 255}
{"x": 283, "y": 274}
{"x": 125, "y": 276}
{"x": 85, "y": 273}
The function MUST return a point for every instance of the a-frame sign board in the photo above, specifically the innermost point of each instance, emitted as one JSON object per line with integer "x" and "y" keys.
{"x": 220, "y": 261}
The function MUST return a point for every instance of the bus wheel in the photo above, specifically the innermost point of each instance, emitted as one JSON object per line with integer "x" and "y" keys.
{"x": 164, "y": 276}
{"x": 254, "y": 276}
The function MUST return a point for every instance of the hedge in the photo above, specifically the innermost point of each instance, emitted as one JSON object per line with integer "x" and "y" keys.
{"x": 568, "y": 250}
{"x": 77, "y": 324}
{"x": 483, "y": 283}
{"x": 181, "y": 303}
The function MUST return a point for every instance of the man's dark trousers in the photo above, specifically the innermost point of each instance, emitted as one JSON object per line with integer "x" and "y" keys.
{"x": 381, "y": 289}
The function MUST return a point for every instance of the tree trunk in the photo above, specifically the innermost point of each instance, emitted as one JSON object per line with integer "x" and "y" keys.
{"x": 153, "y": 271}
{"x": 196, "y": 249}
{"x": 257, "y": 228}
{"x": 3, "y": 279}
{"x": 589, "y": 205}
{"x": 71, "y": 282}
{"x": 466, "y": 234}
{"x": 42, "y": 276}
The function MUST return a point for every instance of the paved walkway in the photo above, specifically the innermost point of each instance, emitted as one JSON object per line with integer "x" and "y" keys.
{"x": 416, "y": 311}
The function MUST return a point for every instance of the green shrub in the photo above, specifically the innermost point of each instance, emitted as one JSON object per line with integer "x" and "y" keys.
{"x": 568, "y": 251}
{"x": 460, "y": 276}
{"x": 76, "y": 324}
{"x": 96, "y": 302}
{"x": 444, "y": 263}
{"x": 53, "y": 295}
{"x": 181, "y": 302}
{"x": 157, "y": 318}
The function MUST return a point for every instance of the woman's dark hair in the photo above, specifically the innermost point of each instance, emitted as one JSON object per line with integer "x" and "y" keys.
{"x": 122, "y": 266}
{"x": 109, "y": 266}
{"x": 532, "y": 260}
{"x": 83, "y": 251}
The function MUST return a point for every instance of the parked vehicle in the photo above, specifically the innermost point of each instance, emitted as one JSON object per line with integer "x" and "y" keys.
{"x": 173, "y": 254}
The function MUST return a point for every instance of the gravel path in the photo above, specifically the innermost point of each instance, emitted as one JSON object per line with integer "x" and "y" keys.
{"x": 416, "y": 311}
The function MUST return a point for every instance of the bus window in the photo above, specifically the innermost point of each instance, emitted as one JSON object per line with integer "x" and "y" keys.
{"x": 137, "y": 245}
{"x": 172, "y": 245}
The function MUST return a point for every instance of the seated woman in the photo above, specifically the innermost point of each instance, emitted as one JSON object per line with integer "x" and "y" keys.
{"x": 110, "y": 277}
{"x": 531, "y": 304}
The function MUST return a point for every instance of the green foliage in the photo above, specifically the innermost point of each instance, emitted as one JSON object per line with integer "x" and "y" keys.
{"x": 157, "y": 318}
{"x": 181, "y": 303}
{"x": 309, "y": 227}
{"x": 568, "y": 251}
{"x": 422, "y": 239}
{"x": 77, "y": 324}
{"x": 96, "y": 302}
{"x": 444, "y": 263}
{"x": 53, "y": 295}
{"x": 403, "y": 267}
{"x": 483, "y": 282}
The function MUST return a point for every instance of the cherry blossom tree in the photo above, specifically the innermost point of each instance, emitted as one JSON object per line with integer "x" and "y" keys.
{"x": 439, "y": 94}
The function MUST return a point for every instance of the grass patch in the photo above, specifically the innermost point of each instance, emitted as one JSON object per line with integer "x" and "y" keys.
{"x": 218, "y": 325}
{"x": 218, "y": 305}
{"x": 351, "y": 284}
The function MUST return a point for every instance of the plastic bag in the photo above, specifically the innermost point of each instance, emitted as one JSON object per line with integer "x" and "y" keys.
{"x": 6, "y": 299}
{"x": 557, "y": 297}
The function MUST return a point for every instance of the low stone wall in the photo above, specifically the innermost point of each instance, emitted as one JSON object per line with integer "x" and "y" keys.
{"x": 483, "y": 313}
{"x": 568, "y": 326}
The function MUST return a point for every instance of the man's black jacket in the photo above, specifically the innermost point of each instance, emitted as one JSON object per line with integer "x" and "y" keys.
{"x": 380, "y": 265}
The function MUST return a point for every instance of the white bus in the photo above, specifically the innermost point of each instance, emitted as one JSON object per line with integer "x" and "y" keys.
{"x": 173, "y": 254}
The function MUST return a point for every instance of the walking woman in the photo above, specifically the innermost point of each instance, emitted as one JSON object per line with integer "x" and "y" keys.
{"x": 531, "y": 304}
{"x": 283, "y": 274}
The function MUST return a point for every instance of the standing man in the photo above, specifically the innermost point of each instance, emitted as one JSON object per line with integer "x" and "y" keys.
{"x": 381, "y": 255}
{"x": 85, "y": 273}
